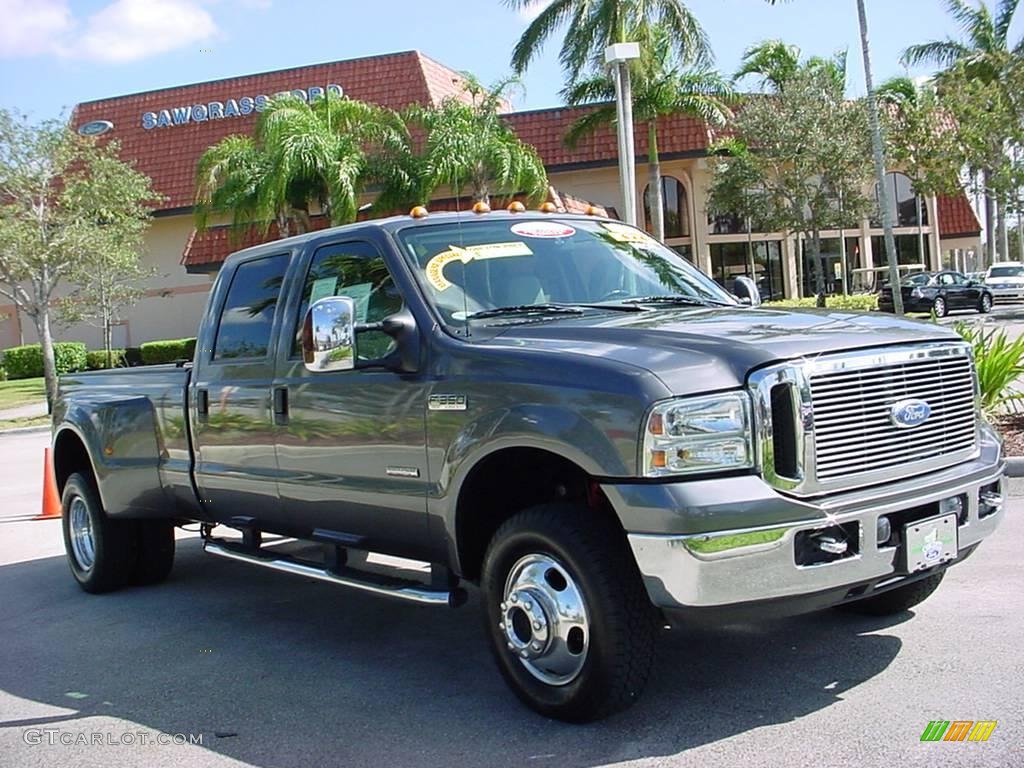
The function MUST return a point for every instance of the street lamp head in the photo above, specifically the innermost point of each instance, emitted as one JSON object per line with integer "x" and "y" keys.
{"x": 618, "y": 52}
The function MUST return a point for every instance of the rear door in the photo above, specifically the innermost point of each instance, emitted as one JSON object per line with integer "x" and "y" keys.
{"x": 351, "y": 446}
{"x": 232, "y": 414}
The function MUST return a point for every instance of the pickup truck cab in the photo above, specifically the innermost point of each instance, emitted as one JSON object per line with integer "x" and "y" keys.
{"x": 554, "y": 408}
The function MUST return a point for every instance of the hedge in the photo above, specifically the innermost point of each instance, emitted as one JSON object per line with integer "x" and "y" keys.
{"x": 96, "y": 359}
{"x": 27, "y": 362}
{"x": 155, "y": 352}
{"x": 859, "y": 301}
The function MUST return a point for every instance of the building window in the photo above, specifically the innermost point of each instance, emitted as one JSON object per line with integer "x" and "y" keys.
{"x": 768, "y": 269}
{"x": 903, "y": 203}
{"x": 676, "y": 216}
{"x": 686, "y": 251}
{"x": 830, "y": 264}
{"x": 907, "y": 250}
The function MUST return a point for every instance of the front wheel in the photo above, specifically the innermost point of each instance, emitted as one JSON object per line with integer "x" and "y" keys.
{"x": 567, "y": 616}
{"x": 985, "y": 304}
{"x": 896, "y": 600}
{"x": 939, "y": 307}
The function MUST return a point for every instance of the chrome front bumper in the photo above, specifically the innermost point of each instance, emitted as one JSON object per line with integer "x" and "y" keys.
{"x": 727, "y": 567}
{"x": 1010, "y": 292}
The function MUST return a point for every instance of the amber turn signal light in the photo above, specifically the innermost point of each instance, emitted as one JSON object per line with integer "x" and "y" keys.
{"x": 481, "y": 207}
{"x": 548, "y": 207}
{"x": 418, "y": 212}
{"x": 516, "y": 207}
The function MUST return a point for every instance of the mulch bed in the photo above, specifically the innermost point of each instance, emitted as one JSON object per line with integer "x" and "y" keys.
{"x": 1011, "y": 428}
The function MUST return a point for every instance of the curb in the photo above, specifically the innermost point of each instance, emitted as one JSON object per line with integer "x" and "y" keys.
{"x": 24, "y": 430}
{"x": 1015, "y": 466}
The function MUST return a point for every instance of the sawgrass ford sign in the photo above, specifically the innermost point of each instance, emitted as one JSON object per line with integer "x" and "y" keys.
{"x": 219, "y": 110}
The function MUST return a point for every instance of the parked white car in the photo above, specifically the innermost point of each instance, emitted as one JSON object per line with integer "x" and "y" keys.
{"x": 1005, "y": 279}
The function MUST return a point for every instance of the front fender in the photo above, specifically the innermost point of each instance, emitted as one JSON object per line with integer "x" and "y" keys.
{"x": 121, "y": 438}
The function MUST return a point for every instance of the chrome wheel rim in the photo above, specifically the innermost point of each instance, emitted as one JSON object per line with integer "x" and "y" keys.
{"x": 940, "y": 307}
{"x": 986, "y": 303}
{"x": 544, "y": 619}
{"x": 80, "y": 525}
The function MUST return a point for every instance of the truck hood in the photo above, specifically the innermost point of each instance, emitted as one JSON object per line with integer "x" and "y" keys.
{"x": 701, "y": 349}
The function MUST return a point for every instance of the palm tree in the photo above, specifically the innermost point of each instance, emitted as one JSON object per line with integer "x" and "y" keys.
{"x": 301, "y": 154}
{"x": 593, "y": 25}
{"x": 984, "y": 53}
{"x": 468, "y": 146}
{"x": 776, "y": 62}
{"x": 661, "y": 88}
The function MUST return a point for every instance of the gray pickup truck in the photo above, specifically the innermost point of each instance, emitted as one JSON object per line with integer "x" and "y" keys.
{"x": 555, "y": 408}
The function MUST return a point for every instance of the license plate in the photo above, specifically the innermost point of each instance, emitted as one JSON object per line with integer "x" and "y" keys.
{"x": 930, "y": 542}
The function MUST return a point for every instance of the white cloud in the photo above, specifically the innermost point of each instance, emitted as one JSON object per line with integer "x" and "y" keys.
{"x": 127, "y": 30}
{"x": 121, "y": 31}
{"x": 31, "y": 27}
{"x": 533, "y": 9}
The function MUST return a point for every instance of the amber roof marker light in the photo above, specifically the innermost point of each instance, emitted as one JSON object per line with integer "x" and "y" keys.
{"x": 419, "y": 212}
{"x": 481, "y": 207}
{"x": 548, "y": 207}
{"x": 516, "y": 207}
{"x": 593, "y": 210}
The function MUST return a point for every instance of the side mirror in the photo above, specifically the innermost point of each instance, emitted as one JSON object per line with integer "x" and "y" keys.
{"x": 746, "y": 291}
{"x": 329, "y": 335}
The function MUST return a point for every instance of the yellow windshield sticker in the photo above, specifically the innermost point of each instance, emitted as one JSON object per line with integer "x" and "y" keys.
{"x": 435, "y": 267}
{"x": 625, "y": 234}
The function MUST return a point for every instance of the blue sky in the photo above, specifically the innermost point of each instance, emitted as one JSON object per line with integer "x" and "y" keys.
{"x": 56, "y": 53}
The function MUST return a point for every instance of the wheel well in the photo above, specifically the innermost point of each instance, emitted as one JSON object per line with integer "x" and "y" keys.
{"x": 507, "y": 482}
{"x": 69, "y": 456}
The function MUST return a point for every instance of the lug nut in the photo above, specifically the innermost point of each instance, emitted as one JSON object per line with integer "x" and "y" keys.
{"x": 525, "y": 655}
{"x": 504, "y": 606}
{"x": 501, "y": 625}
{"x": 528, "y": 605}
{"x": 513, "y": 599}
{"x": 536, "y": 646}
{"x": 536, "y": 625}
{"x": 510, "y": 646}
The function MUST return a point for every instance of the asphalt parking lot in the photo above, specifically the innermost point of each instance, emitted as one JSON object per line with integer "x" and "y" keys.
{"x": 272, "y": 670}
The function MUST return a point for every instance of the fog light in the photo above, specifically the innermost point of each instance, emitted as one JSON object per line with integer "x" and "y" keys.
{"x": 883, "y": 530}
{"x": 954, "y": 505}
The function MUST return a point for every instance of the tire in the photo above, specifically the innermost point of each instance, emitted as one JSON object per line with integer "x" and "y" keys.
{"x": 896, "y": 600}
{"x": 985, "y": 304}
{"x": 101, "y": 552}
{"x": 569, "y": 555}
{"x": 939, "y": 307}
{"x": 154, "y": 552}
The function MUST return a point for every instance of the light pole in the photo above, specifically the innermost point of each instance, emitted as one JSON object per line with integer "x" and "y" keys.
{"x": 617, "y": 57}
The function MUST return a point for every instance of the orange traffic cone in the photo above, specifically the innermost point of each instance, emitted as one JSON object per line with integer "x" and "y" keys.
{"x": 51, "y": 499}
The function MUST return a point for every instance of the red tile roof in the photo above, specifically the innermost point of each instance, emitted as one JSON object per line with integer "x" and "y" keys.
{"x": 169, "y": 154}
{"x": 545, "y": 129}
{"x": 957, "y": 217}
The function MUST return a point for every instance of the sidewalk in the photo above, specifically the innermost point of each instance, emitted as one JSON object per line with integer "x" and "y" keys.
{"x": 24, "y": 411}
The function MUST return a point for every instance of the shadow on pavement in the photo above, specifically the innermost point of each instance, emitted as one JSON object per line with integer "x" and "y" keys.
{"x": 291, "y": 672}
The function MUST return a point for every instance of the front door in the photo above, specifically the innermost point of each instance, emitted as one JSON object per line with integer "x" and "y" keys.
{"x": 236, "y": 463}
{"x": 352, "y": 448}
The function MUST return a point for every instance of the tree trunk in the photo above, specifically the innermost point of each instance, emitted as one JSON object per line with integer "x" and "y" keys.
{"x": 990, "y": 221}
{"x": 819, "y": 276}
{"x": 107, "y": 343}
{"x": 879, "y": 157}
{"x": 655, "y": 194}
{"x": 1002, "y": 239}
{"x": 42, "y": 323}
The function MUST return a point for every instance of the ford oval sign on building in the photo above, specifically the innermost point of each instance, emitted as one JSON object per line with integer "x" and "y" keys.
{"x": 95, "y": 128}
{"x": 907, "y": 414}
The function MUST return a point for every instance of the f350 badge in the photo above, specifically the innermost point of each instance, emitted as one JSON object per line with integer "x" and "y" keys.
{"x": 447, "y": 403}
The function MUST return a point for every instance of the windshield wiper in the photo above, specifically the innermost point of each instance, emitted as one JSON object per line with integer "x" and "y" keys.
{"x": 526, "y": 309}
{"x": 677, "y": 299}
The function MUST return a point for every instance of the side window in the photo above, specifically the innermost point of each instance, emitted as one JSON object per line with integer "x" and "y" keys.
{"x": 248, "y": 314}
{"x": 958, "y": 279}
{"x": 946, "y": 279}
{"x": 357, "y": 270}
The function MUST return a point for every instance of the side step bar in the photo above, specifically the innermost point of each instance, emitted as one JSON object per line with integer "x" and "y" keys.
{"x": 367, "y": 582}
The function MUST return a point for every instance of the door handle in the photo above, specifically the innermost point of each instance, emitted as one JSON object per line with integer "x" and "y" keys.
{"x": 281, "y": 405}
{"x": 202, "y": 403}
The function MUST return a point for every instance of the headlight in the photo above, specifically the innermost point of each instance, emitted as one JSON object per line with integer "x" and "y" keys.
{"x": 699, "y": 434}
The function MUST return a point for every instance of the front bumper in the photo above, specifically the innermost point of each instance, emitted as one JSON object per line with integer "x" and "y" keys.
{"x": 1006, "y": 293}
{"x": 708, "y": 563}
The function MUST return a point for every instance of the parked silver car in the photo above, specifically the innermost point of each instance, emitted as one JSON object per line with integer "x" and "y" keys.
{"x": 1005, "y": 279}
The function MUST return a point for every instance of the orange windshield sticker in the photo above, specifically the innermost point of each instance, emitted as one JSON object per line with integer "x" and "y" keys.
{"x": 435, "y": 267}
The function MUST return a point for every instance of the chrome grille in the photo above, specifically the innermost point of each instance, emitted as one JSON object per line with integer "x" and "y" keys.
{"x": 853, "y": 432}
{"x": 830, "y": 416}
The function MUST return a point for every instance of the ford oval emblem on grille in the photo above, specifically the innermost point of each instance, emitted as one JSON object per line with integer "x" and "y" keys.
{"x": 907, "y": 414}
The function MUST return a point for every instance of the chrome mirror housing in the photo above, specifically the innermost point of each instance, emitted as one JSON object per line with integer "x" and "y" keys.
{"x": 746, "y": 290}
{"x": 329, "y": 335}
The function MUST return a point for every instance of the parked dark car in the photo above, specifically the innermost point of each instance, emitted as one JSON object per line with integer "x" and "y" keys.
{"x": 938, "y": 292}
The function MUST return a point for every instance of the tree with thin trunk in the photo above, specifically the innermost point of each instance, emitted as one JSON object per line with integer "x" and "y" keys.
{"x": 775, "y": 63}
{"x": 466, "y": 146}
{"x": 64, "y": 199}
{"x": 593, "y": 25}
{"x": 662, "y": 87}
{"x": 302, "y": 155}
{"x": 983, "y": 53}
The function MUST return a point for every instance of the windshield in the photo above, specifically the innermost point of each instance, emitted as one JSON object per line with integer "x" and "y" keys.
{"x": 1006, "y": 272}
{"x": 479, "y": 265}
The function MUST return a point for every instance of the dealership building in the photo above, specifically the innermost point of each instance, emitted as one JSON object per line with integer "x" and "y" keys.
{"x": 164, "y": 132}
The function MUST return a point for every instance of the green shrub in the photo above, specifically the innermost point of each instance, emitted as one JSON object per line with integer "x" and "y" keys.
{"x": 858, "y": 301}
{"x": 998, "y": 361}
{"x": 169, "y": 351}
{"x": 27, "y": 362}
{"x": 96, "y": 359}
